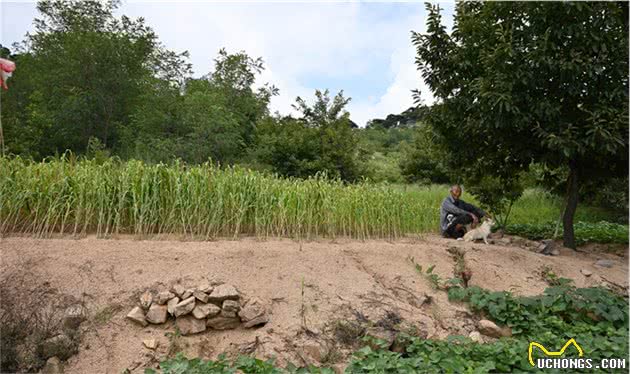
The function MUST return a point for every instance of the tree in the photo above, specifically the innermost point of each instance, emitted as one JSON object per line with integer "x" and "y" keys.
{"x": 337, "y": 140}
{"x": 210, "y": 117}
{"x": 424, "y": 160}
{"x": 234, "y": 76}
{"x": 321, "y": 140}
{"x": 522, "y": 82}
{"x": 85, "y": 70}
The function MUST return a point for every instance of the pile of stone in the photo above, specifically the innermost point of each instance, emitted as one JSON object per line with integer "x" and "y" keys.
{"x": 196, "y": 309}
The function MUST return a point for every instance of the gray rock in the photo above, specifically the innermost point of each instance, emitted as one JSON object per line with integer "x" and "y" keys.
{"x": 157, "y": 314}
{"x": 189, "y": 325}
{"x": 315, "y": 350}
{"x": 185, "y": 307}
{"x": 253, "y": 309}
{"x": 586, "y": 273}
{"x": 381, "y": 334}
{"x": 546, "y": 247}
{"x": 150, "y": 343}
{"x": 178, "y": 290}
{"x": 163, "y": 297}
{"x": 137, "y": 315}
{"x": 201, "y": 296}
{"x": 53, "y": 366}
{"x": 260, "y": 320}
{"x": 205, "y": 288}
{"x": 202, "y": 311}
{"x": 60, "y": 346}
{"x": 223, "y": 323}
{"x": 490, "y": 328}
{"x": 231, "y": 306}
{"x": 170, "y": 306}
{"x": 227, "y": 314}
{"x": 223, "y": 292}
{"x": 475, "y": 336}
{"x": 73, "y": 317}
{"x": 188, "y": 293}
{"x": 605, "y": 263}
{"x": 145, "y": 300}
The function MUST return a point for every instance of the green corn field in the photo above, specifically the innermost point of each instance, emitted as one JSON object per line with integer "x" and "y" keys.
{"x": 82, "y": 196}
{"x": 79, "y": 196}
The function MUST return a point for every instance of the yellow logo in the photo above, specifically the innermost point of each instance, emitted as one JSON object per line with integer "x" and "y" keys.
{"x": 548, "y": 353}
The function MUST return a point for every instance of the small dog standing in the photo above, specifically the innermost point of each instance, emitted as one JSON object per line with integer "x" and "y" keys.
{"x": 480, "y": 232}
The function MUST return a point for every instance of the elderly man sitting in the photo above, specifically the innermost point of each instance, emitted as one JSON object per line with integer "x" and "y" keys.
{"x": 455, "y": 214}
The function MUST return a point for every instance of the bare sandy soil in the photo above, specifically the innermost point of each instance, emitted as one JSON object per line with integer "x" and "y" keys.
{"x": 327, "y": 280}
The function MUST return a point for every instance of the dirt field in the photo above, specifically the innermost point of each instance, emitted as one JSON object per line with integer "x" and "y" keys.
{"x": 342, "y": 280}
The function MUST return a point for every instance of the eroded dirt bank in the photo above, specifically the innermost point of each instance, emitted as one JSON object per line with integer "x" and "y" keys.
{"x": 309, "y": 286}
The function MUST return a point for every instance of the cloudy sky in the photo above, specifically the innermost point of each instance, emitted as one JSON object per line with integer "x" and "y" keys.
{"x": 363, "y": 48}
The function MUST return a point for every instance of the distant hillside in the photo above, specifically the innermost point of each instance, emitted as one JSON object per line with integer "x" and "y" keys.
{"x": 408, "y": 118}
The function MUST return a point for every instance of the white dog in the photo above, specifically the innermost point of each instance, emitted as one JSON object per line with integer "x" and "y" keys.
{"x": 480, "y": 232}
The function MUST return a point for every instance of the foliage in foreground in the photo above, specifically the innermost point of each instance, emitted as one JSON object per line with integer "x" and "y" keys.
{"x": 585, "y": 232}
{"x": 595, "y": 317}
{"x": 244, "y": 364}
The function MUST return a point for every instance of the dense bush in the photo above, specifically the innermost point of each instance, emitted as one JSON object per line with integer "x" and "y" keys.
{"x": 585, "y": 232}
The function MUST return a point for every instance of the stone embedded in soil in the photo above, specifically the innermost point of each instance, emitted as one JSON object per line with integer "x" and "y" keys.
{"x": 475, "y": 336}
{"x": 189, "y": 325}
{"x": 150, "y": 343}
{"x": 382, "y": 334}
{"x": 231, "y": 306}
{"x": 60, "y": 346}
{"x": 490, "y": 329}
{"x": 202, "y": 311}
{"x": 201, "y": 296}
{"x": 53, "y": 366}
{"x": 546, "y": 246}
{"x": 223, "y": 292}
{"x": 163, "y": 297}
{"x": 253, "y": 313}
{"x": 73, "y": 317}
{"x": 137, "y": 315}
{"x": 145, "y": 300}
{"x": 170, "y": 306}
{"x": 178, "y": 290}
{"x": 605, "y": 263}
{"x": 315, "y": 350}
{"x": 253, "y": 309}
{"x": 223, "y": 323}
{"x": 586, "y": 273}
{"x": 157, "y": 314}
{"x": 399, "y": 345}
{"x": 185, "y": 307}
{"x": 260, "y": 320}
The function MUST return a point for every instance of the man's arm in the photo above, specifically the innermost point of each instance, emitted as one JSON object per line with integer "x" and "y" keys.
{"x": 472, "y": 209}
{"x": 451, "y": 208}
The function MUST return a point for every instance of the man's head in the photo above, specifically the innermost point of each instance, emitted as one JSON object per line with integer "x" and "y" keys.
{"x": 456, "y": 191}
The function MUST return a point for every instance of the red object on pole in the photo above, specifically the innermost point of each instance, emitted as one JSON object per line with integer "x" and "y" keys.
{"x": 6, "y": 70}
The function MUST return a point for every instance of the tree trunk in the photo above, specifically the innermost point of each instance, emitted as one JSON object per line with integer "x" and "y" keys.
{"x": 572, "y": 202}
